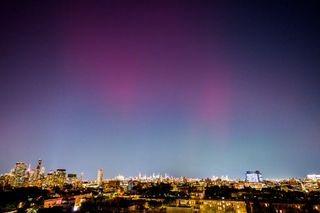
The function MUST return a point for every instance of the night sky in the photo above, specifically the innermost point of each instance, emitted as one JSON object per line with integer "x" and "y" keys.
{"x": 187, "y": 88}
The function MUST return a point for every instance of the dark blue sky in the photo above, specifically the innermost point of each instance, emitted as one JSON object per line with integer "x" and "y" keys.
{"x": 182, "y": 87}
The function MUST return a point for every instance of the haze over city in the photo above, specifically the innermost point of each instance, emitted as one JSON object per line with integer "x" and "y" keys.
{"x": 187, "y": 88}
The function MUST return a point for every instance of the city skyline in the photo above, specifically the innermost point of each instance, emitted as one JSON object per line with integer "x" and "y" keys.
{"x": 32, "y": 173}
{"x": 186, "y": 88}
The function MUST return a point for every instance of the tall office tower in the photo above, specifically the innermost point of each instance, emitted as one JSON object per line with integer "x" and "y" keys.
{"x": 71, "y": 178}
{"x": 60, "y": 177}
{"x": 253, "y": 176}
{"x": 36, "y": 175}
{"x": 20, "y": 174}
{"x": 49, "y": 181}
{"x": 42, "y": 172}
{"x": 99, "y": 177}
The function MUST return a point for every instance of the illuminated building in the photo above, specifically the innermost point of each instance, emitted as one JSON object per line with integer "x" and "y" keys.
{"x": 60, "y": 177}
{"x": 50, "y": 178}
{"x": 7, "y": 180}
{"x": 72, "y": 179}
{"x": 313, "y": 177}
{"x": 20, "y": 174}
{"x": 99, "y": 177}
{"x": 37, "y": 171}
{"x": 253, "y": 176}
{"x": 56, "y": 178}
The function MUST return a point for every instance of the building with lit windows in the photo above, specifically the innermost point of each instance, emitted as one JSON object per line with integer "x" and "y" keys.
{"x": 253, "y": 176}
{"x": 71, "y": 178}
{"x": 60, "y": 177}
{"x": 56, "y": 178}
{"x": 50, "y": 178}
{"x": 20, "y": 174}
{"x": 313, "y": 177}
{"x": 37, "y": 171}
{"x": 99, "y": 177}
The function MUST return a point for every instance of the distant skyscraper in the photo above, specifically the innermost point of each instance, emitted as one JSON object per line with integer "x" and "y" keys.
{"x": 60, "y": 177}
{"x": 253, "y": 176}
{"x": 99, "y": 177}
{"x": 37, "y": 171}
{"x": 20, "y": 174}
{"x": 71, "y": 178}
{"x": 50, "y": 179}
